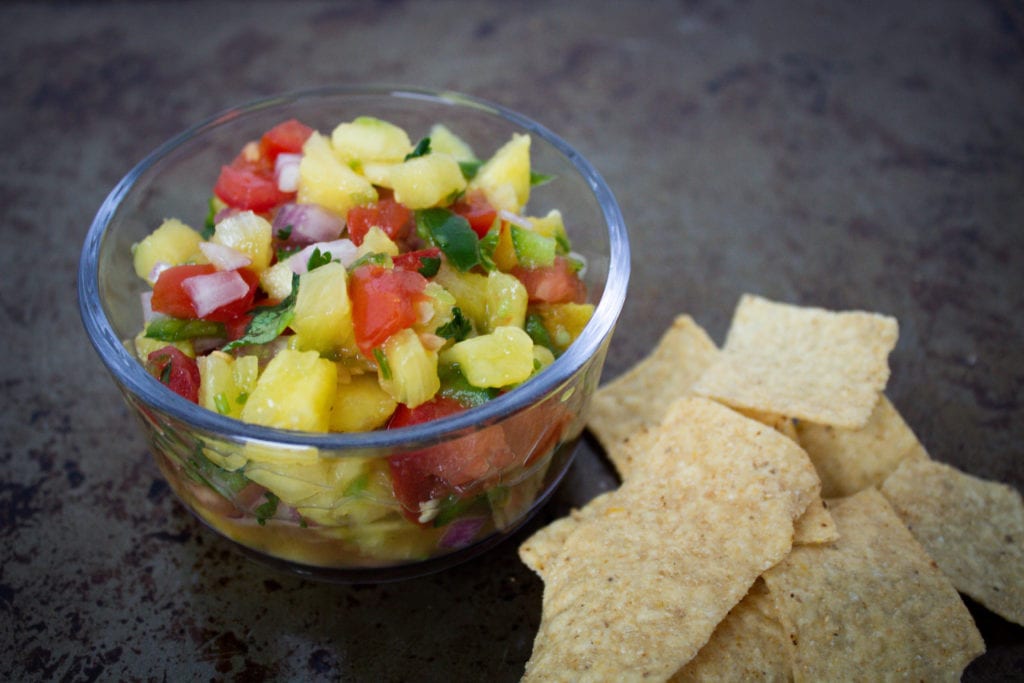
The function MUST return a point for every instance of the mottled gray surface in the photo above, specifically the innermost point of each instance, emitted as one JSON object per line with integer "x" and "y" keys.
{"x": 849, "y": 155}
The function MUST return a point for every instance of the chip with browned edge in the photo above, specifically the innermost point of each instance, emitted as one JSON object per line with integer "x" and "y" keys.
{"x": 973, "y": 528}
{"x": 873, "y": 605}
{"x": 646, "y": 572}
{"x": 806, "y": 363}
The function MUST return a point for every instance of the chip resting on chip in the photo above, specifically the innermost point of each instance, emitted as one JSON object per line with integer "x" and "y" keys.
{"x": 806, "y": 363}
{"x": 974, "y": 529}
{"x": 872, "y": 605}
{"x": 646, "y": 572}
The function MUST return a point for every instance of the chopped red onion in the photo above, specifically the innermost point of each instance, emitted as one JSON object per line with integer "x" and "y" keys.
{"x": 514, "y": 219}
{"x": 210, "y": 292}
{"x": 147, "y": 306}
{"x": 286, "y": 172}
{"x": 223, "y": 256}
{"x": 461, "y": 532}
{"x": 309, "y": 223}
{"x": 158, "y": 267}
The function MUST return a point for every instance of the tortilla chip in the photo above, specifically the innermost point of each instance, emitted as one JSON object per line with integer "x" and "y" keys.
{"x": 780, "y": 423}
{"x": 543, "y": 545}
{"x": 973, "y": 528}
{"x": 749, "y": 645}
{"x": 851, "y": 460}
{"x": 639, "y": 398}
{"x": 872, "y": 601}
{"x": 815, "y": 525}
{"x": 807, "y": 363}
{"x": 649, "y": 570}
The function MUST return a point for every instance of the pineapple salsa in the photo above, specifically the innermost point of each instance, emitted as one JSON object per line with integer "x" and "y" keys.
{"x": 355, "y": 281}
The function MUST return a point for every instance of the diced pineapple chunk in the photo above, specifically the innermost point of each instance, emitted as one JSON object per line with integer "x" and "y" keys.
{"x": 552, "y": 225}
{"x": 376, "y": 241}
{"x": 249, "y": 234}
{"x": 441, "y": 302}
{"x": 226, "y": 382}
{"x": 444, "y": 141}
{"x": 564, "y": 322}
{"x": 361, "y": 405}
{"x": 506, "y": 301}
{"x": 409, "y": 374}
{"x": 498, "y": 359}
{"x": 469, "y": 290}
{"x": 321, "y": 483}
{"x": 323, "y": 314}
{"x": 368, "y": 139}
{"x": 295, "y": 391}
{"x": 505, "y": 177}
{"x": 173, "y": 243}
{"x": 422, "y": 182}
{"x": 325, "y": 180}
{"x": 276, "y": 280}
{"x": 504, "y": 255}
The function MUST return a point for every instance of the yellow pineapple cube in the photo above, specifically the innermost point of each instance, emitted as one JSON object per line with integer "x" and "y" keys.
{"x": 326, "y": 180}
{"x": 444, "y": 141}
{"x": 320, "y": 483}
{"x": 323, "y": 313}
{"x": 361, "y": 405}
{"x": 295, "y": 391}
{"x": 422, "y": 182}
{"x": 564, "y": 322}
{"x": 225, "y": 382}
{"x": 469, "y": 290}
{"x": 276, "y": 280}
{"x": 506, "y": 301}
{"x": 146, "y": 345}
{"x": 409, "y": 371}
{"x": 499, "y": 359}
{"x": 505, "y": 177}
{"x": 173, "y": 243}
{"x": 376, "y": 241}
{"x": 249, "y": 234}
{"x": 368, "y": 139}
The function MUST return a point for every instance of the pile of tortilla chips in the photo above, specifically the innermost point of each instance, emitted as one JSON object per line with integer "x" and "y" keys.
{"x": 777, "y": 519}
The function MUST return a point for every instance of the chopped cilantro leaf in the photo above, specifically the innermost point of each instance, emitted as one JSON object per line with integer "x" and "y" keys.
{"x": 284, "y": 233}
{"x": 457, "y": 328}
{"x": 469, "y": 168}
{"x": 422, "y": 149}
{"x": 537, "y": 179}
{"x": 269, "y": 322}
{"x": 267, "y": 509}
{"x": 318, "y": 258}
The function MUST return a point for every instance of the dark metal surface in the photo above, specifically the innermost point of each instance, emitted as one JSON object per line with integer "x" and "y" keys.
{"x": 847, "y": 155}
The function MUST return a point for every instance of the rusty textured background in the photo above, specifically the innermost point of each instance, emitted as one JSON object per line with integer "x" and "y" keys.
{"x": 843, "y": 154}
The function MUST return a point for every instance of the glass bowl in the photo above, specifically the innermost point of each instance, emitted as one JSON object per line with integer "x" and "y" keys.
{"x": 332, "y": 515}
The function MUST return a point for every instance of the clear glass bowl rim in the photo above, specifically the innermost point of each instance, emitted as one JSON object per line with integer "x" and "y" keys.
{"x": 131, "y": 375}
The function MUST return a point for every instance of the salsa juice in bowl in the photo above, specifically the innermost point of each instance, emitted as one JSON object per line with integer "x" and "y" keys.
{"x": 361, "y": 327}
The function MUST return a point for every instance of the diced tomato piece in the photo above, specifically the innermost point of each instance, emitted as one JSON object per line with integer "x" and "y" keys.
{"x": 387, "y": 214}
{"x": 179, "y": 372}
{"x": 554, "y": 284}
{"x": 169, "y": 297}
{"x": 457, "y": 466}
{"x": 384, "y": 301}
{"x": 478, "y": 211}
{"x": 245, "y": 188}
{"x": 286, "y": 137}
{"x": 413, "y": 260}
